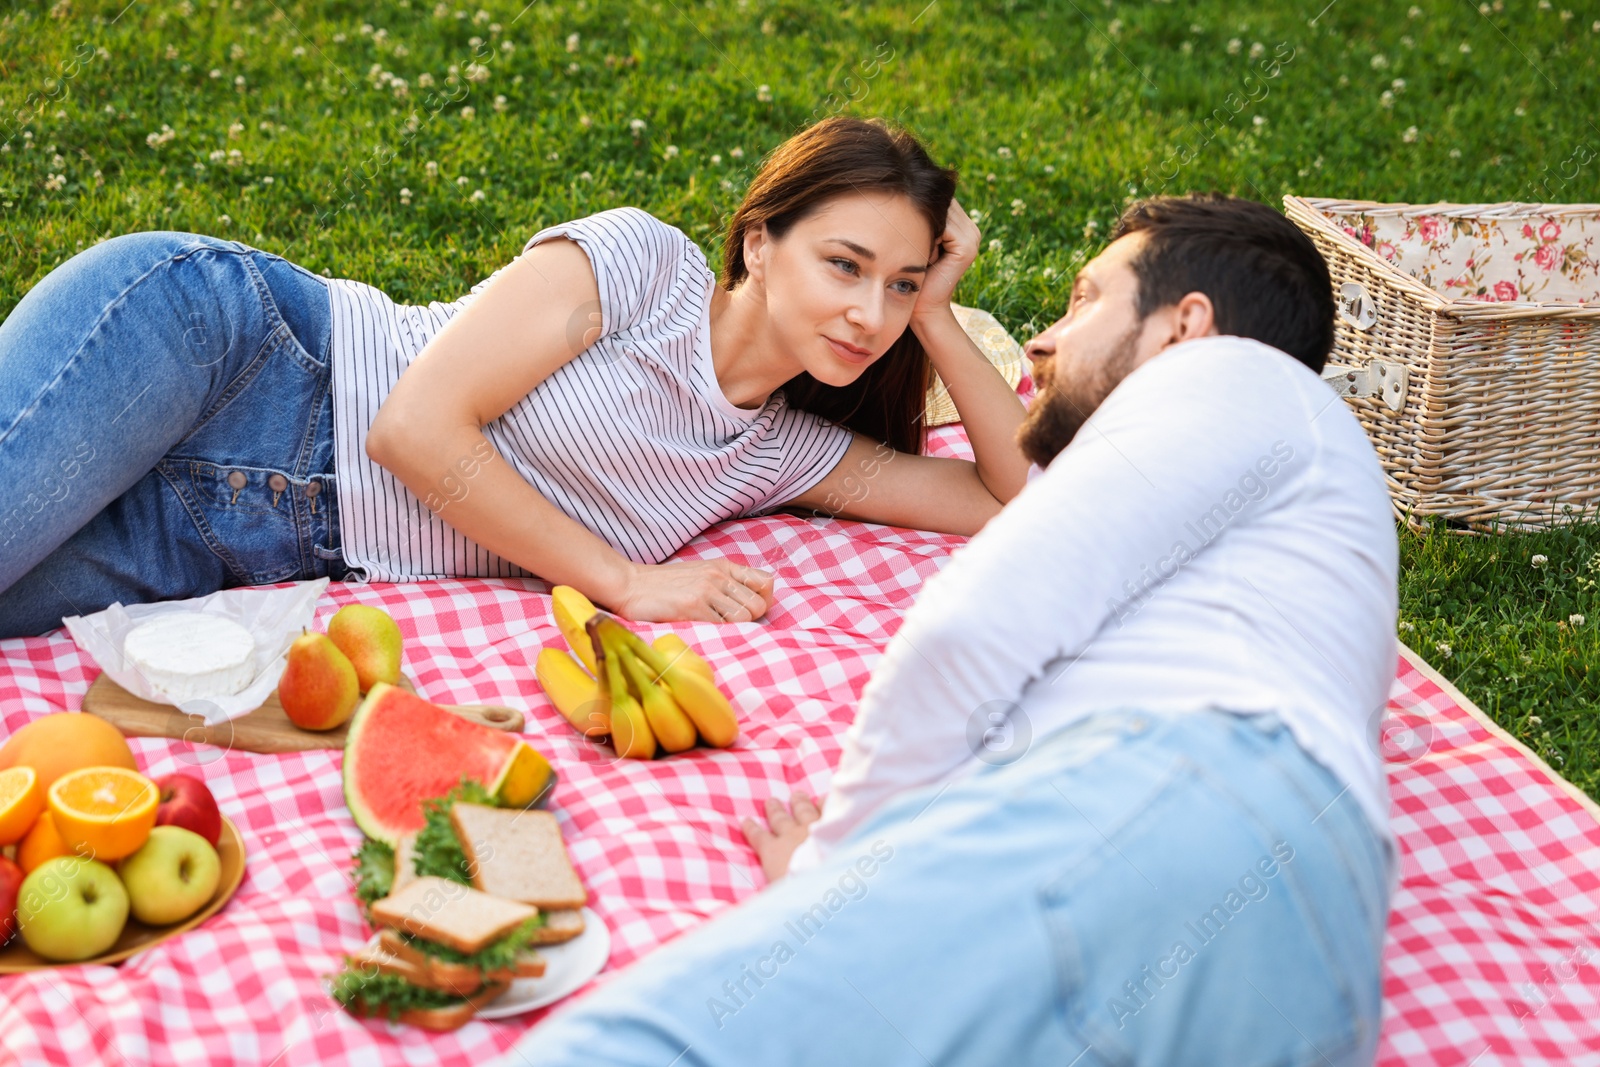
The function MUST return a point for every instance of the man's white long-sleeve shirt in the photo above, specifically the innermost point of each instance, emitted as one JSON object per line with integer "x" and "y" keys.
{"x": 1219, "y": 534}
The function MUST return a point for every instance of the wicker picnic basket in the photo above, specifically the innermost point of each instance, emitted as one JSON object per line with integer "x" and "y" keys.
{"x": 1467, "y": 341}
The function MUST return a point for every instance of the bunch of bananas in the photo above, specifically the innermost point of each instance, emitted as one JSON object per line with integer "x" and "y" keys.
{"x": 642, "y": 695}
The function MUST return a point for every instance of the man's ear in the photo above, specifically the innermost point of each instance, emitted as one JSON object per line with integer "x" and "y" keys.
{"x": 1193, "y": 317}
{"x": 756, "y": 244}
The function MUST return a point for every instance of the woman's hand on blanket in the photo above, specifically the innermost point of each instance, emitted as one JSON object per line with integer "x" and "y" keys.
{"x": 958, "y": 247}
{"x": 715, "y": 590}
{"x": 788, "y": 829}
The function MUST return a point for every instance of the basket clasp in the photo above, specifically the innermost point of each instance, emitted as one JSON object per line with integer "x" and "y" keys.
{"x": 1378, "y": 377}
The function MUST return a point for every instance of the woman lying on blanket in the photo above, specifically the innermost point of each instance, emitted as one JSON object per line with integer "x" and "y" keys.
{"x": 181, "y": 413}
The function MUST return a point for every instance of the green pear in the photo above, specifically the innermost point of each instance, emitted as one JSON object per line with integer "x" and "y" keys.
{"x": 371, "y": 639}
{"x": 318, "y": 689}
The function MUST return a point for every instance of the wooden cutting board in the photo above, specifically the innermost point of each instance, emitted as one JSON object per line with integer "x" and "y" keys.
{"x": 266, "y": 729}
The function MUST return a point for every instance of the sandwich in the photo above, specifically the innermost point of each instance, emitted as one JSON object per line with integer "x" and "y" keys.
{"x": 520, "y": 855}
{"x": 460, "y": 908}
{"x": 443, "y": 950}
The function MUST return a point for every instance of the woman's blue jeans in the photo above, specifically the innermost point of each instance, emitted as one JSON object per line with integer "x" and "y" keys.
{"x": 166, "y": 429}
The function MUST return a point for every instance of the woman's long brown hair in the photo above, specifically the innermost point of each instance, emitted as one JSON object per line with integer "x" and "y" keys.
{"x": 835, "y": 157}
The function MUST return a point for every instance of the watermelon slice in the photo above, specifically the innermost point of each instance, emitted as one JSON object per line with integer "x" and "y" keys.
{"x": 401, "y": 750}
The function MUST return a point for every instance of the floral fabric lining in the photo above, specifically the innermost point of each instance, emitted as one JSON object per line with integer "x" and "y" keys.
{"x": 1544, "y": 258}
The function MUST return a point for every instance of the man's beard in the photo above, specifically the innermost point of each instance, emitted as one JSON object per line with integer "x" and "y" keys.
{"x": 1060, "y": 408}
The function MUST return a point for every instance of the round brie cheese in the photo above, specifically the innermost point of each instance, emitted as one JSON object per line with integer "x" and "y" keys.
{"x": 192, "y": 654}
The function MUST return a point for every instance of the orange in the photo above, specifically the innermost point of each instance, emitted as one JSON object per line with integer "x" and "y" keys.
{"x": 66, "y": 741}
{"x": 42, "y": 843}
{"x": 21, "y": 801}
{"x": 104, "y": 812}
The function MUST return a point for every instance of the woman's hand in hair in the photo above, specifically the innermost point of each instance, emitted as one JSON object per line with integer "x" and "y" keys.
{"x": 716, "y": 590}
{"x": 957, "y": 248}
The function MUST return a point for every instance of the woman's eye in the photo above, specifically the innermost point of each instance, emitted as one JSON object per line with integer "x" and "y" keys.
{"x": 846, "y": 265}
{"x": 910, "y": 287}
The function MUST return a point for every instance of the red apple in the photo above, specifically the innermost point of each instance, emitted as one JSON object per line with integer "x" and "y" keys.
{"x": 186, "y": 802}
{"x": 11, "y": 877}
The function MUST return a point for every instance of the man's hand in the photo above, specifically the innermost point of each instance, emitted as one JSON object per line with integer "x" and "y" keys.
{"x": 774, "y": 846}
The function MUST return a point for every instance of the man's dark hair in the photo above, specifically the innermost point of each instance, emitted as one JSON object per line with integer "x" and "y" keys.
{"x": 1265, "y": 278}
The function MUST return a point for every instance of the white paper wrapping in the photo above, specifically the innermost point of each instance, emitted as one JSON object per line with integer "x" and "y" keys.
{"x": 274, "y": 617}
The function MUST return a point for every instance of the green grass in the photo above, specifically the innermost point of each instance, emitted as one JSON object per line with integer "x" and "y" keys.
{"x": 1056, "y": 112}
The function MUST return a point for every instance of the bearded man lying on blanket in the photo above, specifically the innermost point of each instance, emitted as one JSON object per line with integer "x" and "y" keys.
{"x": 1111, "y": 795}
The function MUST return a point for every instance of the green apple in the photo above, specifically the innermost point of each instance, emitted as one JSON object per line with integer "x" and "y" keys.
{"x": 71, "y": 908}
{"x": 172, "y": 875}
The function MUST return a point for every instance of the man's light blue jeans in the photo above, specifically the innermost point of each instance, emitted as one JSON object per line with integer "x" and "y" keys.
{"x": 1136, "y": 889}
{"x": 166, "y": 429}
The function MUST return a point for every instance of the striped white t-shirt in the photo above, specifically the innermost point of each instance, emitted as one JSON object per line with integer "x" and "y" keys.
{"x": 634, "y": 438}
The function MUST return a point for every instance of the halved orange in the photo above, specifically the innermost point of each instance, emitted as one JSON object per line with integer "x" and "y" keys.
{"x": 104, "y": 812}
{"x": 21, "y": 801}
{"x": 42, "y": 843}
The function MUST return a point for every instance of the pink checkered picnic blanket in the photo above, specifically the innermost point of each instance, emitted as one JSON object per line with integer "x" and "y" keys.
{"x": 1486, "y": 962}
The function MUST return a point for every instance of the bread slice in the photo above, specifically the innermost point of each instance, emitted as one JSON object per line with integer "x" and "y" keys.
{"x": 405, "y": 862}
{"x": 518, "y": 854}
{"x": 460, "y": 978}
{"x": 560, "y": 924}
{"x": 464, "y": 918}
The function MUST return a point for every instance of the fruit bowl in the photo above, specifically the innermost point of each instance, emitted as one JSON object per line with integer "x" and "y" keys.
{"x": 17, "y": 957}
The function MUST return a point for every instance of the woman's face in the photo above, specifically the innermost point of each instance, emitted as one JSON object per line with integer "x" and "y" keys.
{"x": 841, "y": 283}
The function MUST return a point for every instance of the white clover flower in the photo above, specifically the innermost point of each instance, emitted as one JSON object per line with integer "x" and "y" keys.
{"x": 1048, "y": 272}
{"x": 1534, "y": 720}
{"x": 298, "y": 50}
{"x": 1398, "y": 84}
{"x": 1259, "y": 120}
{"x": 481, "y": 17}
{"x": 572, "y": 42}
{"x": 1414, "y": 12}
{"x": 463, "y": 180}
{"x": 477, "y": 194}
{"x": 585, "y": 121}
{"x": 1387, "y": 99}
{"x": 1444, "y": 649}
{"x": 764, "y": 93}
{"x": 1234, "y": 44}
{"x": 499, "y": 103}
{"x": 1465, "y": 48}
{"x": 238, "y": 82}
{"x": 1455, "y": 153}
{"x": 995, "y": 245}
{"x": 469, "y": 112}
{"x": 736, "y": 153}
{"x": 235, "y": 130}
{"x": 1380, "y": 61}
{"x": 553, "y": 156}
{"x": 1089, "y": 227}
{"x": 1575, "y": 620}
{"x": 224, "y": 220}
{"x": 1408, "y": 627}
{"x": 58, "y": 160}
{"x": 477, "y": 72}
{"x": 1539, "y": 560}
{"x": 1257, "y": 50}
{"x": 474, "y": 43}
{"x": 507, "y": 47}
{"x": 670, "y": 151}
{"x": 1018, "y": 207}
{"x": 727, "y": 186}
{"x": 585, "y": 176}
{"x": 54, "y": 182}
{"x": 1186, "y": 47}
{"x": 235, "y": 157}
{"x": 405, "y": 196}
{"x": 1410, "y": 136}
{"x": 215, "y": 73}
{"x": 716, "y": 159}
{"x": 573, "y": 68}
{"x": 1049, "y": 168}
{"x": 1519, "y": 111}
{"x": 1003, "y": 152}
{"x": 268, "y": 180}
{"x": 990, "y": 177}
{"x": 431, "y": 168}
{"x": 1114, "y": 27}
{"x": 218, "y": 155}
{"x": 1407, "y": 41}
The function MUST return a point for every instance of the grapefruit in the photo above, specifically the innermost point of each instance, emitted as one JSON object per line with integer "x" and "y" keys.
{"x": 66, "y": 741}
{"x": 401, "y": 750}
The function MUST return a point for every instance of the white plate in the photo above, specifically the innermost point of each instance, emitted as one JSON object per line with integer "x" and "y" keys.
{"x": 567, "y": 967}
